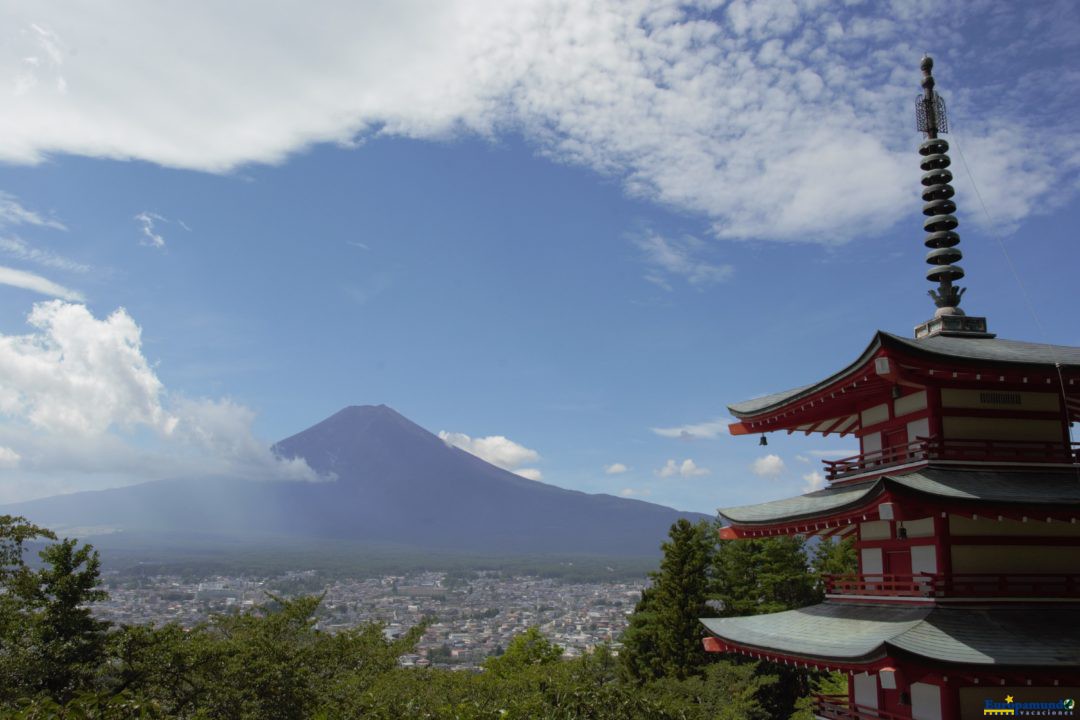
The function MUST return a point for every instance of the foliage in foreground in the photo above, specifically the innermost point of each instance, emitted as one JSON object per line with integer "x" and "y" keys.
{"x": 57, "y": 661}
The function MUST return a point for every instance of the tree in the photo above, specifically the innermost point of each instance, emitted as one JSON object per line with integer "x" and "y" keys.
{"x": 763, "y": 576}
{"x": 49, "y": 641}
{"x": 69, "y": 641}
{"x": 528, "y": 649}
{"x": 834, "y": 557}
{"x": 665, "y": 633}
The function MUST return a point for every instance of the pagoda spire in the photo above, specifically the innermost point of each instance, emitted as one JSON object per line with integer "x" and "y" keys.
{"x": 940, "y": 224}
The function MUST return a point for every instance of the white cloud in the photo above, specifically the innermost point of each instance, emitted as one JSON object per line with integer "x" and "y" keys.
{"x": 769, "y": 466}
{"x": 498, "y": 450}
{"x": 754, "y": 116}
{"x": 635, "y": 492}
{"x": 687, "y": 468}
{"x": 699, "y": 431}
{"x": 813, "y": 481}
{"x": 615, "y": 469}
{"x": 22, "y": 250}
{"x": 9, "y": 458}
{"x": 36, "y": 283}
{"x": 529, "y": 473}
{"x": 151, "y": 236}
{"x": 679, "y": 259}
{"x": 12, "y": 212}
{"x": 80, "y": 405}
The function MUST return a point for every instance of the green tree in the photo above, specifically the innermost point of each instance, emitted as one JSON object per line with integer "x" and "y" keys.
{"x": 834, "y": 557}
{"x": 665, "y": 633}
{"x": 763, "y": 576}
{"x": 529, "y": 649}
{"x": 49, "y": 641}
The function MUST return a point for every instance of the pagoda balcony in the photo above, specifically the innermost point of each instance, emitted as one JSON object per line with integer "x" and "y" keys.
{"x": 839, "y": 707}
{"x": 974, "y": 451}
{"x": 1032, "y": 586}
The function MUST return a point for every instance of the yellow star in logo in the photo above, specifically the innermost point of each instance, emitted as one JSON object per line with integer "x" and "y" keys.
{"x": 1009, "y": 699}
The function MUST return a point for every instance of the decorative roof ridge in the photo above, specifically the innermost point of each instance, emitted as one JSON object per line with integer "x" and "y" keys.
{"x": 786, "y": 396}
{"x": 993, "y": 350}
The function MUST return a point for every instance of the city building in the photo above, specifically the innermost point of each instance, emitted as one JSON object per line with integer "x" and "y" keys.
{"x": 963, "y": 503}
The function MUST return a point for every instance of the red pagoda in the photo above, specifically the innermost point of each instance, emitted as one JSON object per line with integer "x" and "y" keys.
{"x": 963, "y": 503}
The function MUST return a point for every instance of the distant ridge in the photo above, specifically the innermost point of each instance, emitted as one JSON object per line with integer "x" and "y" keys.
{"x": 394, "y": 482}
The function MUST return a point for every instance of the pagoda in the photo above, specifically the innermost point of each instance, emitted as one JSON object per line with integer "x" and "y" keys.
{"x": 963, "y": 504}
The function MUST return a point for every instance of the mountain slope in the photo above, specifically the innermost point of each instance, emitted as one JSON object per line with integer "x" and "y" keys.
{"x": 393, "y": 482}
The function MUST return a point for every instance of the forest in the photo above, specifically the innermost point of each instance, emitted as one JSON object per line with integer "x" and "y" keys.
{"x": 273, "y": 663}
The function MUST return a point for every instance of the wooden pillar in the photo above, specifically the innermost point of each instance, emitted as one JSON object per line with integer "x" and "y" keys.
{"x": 943, "y": 546}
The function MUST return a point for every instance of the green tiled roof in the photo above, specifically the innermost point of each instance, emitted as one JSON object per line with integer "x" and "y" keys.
{"x": 1021, "y": 637}
{"x": 1008, "y": 636}
{"x": 1007, "y": 486}
{"x": 991, "y": 350}
{"x": 827, "y": 631}
{"x": 821, "y": 502}
{"x": 995, "y": 486}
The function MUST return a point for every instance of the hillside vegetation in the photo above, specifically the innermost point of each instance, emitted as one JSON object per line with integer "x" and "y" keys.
{"x": 58, "y": 661}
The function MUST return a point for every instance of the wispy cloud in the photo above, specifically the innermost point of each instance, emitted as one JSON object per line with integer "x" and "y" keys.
{"x": 615, "y": 469}
{"x": 838, "y": 453}
{"x": 697, "y": 431}
{"x": 778, "y": 121}
{"x": 147, "y": 224}
{"x": 37, "y": 283}
{"x": 12, "y": 212}
{"x": 671, "y": 260}
{"x": 22, "y": 250}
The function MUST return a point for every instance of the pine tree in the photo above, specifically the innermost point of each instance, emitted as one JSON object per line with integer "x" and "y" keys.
{"x": 665, "y": 634}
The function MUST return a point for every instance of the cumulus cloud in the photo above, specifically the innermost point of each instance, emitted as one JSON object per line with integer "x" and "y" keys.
{"x": 699, "y": 431}
{"x": 150, "y": 236}
{"x": 37, "y": 283}
{"x": 769, "y": 466}
{"x": 615, "y": 469}
{"x": 635, "y": 492}
{"x": 813, "y": 481}
{"x": 498, "y": 450}
{"x": 784, "y": 120}
{"x": 78, "y": 398}
{"x": 687, "y": 468}
{"x": 670, "y": 260}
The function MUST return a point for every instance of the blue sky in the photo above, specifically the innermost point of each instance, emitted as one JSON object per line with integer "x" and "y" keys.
{"x": 565, "y": 235}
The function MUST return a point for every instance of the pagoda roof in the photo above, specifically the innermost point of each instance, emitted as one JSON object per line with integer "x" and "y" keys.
{"x": 936, "y": 347}
{"x": 850, "y": 633}
{"x": 1057, "y": 489}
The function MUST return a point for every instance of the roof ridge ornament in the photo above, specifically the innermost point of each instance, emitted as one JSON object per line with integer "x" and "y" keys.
{"x": 940, "y": 224}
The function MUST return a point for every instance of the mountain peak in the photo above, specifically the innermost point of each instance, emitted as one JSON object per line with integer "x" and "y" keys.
{"x": 394, "y": 482}
{"x": 359, "y": 431}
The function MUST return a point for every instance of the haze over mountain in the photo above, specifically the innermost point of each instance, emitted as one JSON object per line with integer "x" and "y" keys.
{"x": 389, "y": 481}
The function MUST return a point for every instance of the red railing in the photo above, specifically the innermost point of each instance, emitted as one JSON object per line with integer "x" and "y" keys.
{"x": 921, "y": 585}
{"x": 1033, "y": 585}
{"x": 968, "y": 585}
{"x": 939, "y": 449}
{"x": 838, "y": 707}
